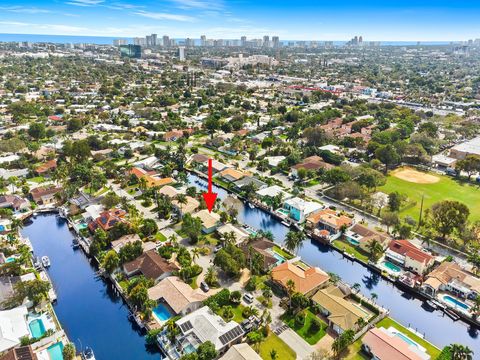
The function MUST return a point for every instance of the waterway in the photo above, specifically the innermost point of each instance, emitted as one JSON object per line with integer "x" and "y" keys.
{"x": 404, "y": 306}
{"x": 87, "y": 307}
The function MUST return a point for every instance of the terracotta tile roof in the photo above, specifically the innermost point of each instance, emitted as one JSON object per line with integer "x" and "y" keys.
{"x": 39, "y": 192}
{"x": 107, "y": 219}
{"x": 150, "y": 264}
{"x": 232, "y": 174}
{"x": 406, "y": 248}
{"x": 448, "y": 271}
{"x": 49, "y": 165}
{"x": 330, "y": 218}
{"x": 387, "y": 347}
{"x": 305, "y": 280}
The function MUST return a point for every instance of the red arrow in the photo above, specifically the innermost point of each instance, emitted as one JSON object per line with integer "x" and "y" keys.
{"x": 210, "y": 196}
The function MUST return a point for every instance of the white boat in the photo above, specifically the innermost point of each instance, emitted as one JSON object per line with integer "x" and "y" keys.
{"x": 45, "y": 261}
{"x": 251, "y": 205}
{"x": 88, "y": 354}
{"x": 287, "y": 224}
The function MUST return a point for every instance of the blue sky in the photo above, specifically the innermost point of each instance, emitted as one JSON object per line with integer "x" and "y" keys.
{"x": 291, "y": 20}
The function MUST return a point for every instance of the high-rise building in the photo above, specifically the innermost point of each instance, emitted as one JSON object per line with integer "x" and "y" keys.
{"x": 181, "y": 53}
{"x": 266, "y": 41}
{"x": 243, "y": 41}
{"x": 131, "y": 51}
{"x": 275, "y": 42}
{"x": 203, "y": 40}
{"x": 154, "y": 39}
{"x": 118, "y": 42}
{"x": 139, "y": 41}
{"x": 166, "y": 41}
{"x": 189, "y": 42}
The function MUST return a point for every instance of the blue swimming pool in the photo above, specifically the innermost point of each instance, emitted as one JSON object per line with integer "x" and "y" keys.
{"x": 56, "y": 351}
{"x": 391, "y": 266}
{"x": 162, "y": 313}
{"x": 279, "y": 257}
{"x": 455, "y": 302}
{"x": 37, "y": 328}
{"x": 406, "y": 339}
{"x": 353, "y": 241}
{"x": 10, "y": 259}
{"x": 2, "y": 228}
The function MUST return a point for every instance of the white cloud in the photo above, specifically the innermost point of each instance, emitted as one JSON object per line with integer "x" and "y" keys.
{"x": 199, "y": 4}
{"x": 164, "y": 16}
{"x": 84, "y": 2}
{"x": 24, "y": 10}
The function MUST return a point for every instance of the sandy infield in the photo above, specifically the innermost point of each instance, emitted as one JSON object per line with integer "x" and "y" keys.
{"x": 415, "y": 176}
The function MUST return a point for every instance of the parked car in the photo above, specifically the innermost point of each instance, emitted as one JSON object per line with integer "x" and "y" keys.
{"x": 204, "y": 286}
{"x": 248, "y": 298}
{"x": 217, "y": 248}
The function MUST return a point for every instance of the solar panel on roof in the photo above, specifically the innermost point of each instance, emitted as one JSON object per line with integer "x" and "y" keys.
{"x": 231, "y": 335}
{"x": 186, "y": 326}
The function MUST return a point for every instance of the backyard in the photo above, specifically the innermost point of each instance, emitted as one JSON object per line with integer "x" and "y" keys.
{"x": 273, "y": 342}
{"x": 344, "y": 245}
{"x": 308, "y": 332}
{"x": 446, "y": 188}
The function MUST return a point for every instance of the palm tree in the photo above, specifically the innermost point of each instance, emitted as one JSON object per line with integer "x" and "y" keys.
{"x": 195, "y": 253}
{"x": 290, "y": 289}
{"x": 356, "y": 287}
{"x": 360, "y": 323}
{"x": 211, "y": 277}
{"x": 373, "y": 296}
{"x": 460, "y": 352}
{"x": 228, "y": 313}
{"x": 375, "y": 249}
{"x": 273, "y": 354}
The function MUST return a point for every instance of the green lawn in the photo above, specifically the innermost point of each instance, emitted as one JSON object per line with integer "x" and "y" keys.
{"x": 38, "y": 179}
{"x": 160, "y": 237}
{"x": 344, "y": 245}
{"x": 354, "y": 352}
{"x": 432, "y": 350}
{"x": 272, "y": 342}
{"x": 445, "y": 189}
{"x": 282, "y": 252}
{"x": 305, "y": 332}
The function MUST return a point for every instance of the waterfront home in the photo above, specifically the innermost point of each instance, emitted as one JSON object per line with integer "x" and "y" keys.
{"x": 240, "y": 234}
{"x": 200, "y": 326}
{"x": 148, "y": 163}
{"x": 200, "y": 163}
{"x": 250, "y": 181}
{"x": 151, "y": 265}
{"x": 267, "y": 194}
{"x": 118, "y": 244}
{"x": 331, "y": 221}
{"x": 361, "y": 236}
{"x": 107, "y": 219}
{"x": 312, "y": 163}
{"x": 299, "y": 209}
{"x": 210, "y": 220}
{"x": 230, "y": 175}
{"x": 179, "y": 296}
{"x": 20, "y": 353}
{"x": 264, "y": 248}
{"x": 14, "y": 202}
{"x": 46, "y": 168}
{"x": 406, "y": 254}
{"x": 169, "y": 191}
{"x": 13, "y": 326}
{"x": 151, "y": 178}
{"x": 79, "y": 202}
{"x": 387, "y": 344}
{"x": 241, "y": 352}
{"x": 341, "y": 313}
{"x": 45, "y": 195}
{"x": 188, "y": 208}
{"x": 307, "y": 279}
{"x": 451, "y": 277}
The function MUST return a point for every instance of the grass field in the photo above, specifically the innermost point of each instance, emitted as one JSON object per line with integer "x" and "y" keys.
{"x": 273, "y": 342}
{"x": 305, "y": 331}
{"x": 446, "y": 188}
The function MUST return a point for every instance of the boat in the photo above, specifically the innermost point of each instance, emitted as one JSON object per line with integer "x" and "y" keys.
{"x": 88, "y": 354}
{"x": 432, "y": 304}
{"x": 251, "y": 205}
{"x": 451, "y": 314}
{"x": 287, "y": 224}
{"x": 37, "y": 263}
{"x": 45, "y": 261}
{"x": 75, "y": 243}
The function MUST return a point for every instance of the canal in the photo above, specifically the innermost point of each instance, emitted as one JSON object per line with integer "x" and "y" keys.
{"x": 90, "y": 312}
{"x": 404, "y": 306}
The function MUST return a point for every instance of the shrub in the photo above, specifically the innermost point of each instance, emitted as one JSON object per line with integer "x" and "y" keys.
{"x": 315, "y": 326}
{"x": 235, "y": 296}
{"x": 166, "y": 252}
{"x": 300, "y": 319}
{"x": 252, "y": 284}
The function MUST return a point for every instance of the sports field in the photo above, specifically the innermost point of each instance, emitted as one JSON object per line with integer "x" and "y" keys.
{"x": 435, "y": 187}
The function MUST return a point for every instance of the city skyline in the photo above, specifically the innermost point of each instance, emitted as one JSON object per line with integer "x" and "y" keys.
{"x": 305, "y": 20}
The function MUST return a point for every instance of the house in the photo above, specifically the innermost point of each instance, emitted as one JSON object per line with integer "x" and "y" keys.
{"x": 361, "y": 236}
{"x": 341, "y": 313}
{"x": 13, "y": 202}
{"x": 151, "y": 265}
{"x": 313, "y": 163}
{"x": 107, "y": 219}
{"x": 169, "y": 191}
{"x": 200, "y": 162}
{"x": 451, "y": 277}
{"x": 13, "y": 326}
{"x": 118, "y": 244}
{"x": 240, "y": 234}
{"x": 47, "y": 167}
{"x": 20, "y": 353}
{"x": 268, "y": 193}
{"x": 461, "y": 151}
{"x": 231, "y": 175}
{"x": 241, "y": 352}
{"x": 178, "y": 295}
{"x": 151, "y": 178}
{"x": 45, "y": 195}
{"x": 189, "y": 207}
{"x": 330, "y": 221}
{"x": 264, "y": 248}
{"x": 250, "y": 181}
{"x": 383, "y": 344}
{"x": 409, "y": 256}
{"x": 210, "y": 220}
{"x": 204, "y": 325}
{"x": 299, "y": 209}
{"x": 173, "y": 135}
{"x": 306, "y": 280}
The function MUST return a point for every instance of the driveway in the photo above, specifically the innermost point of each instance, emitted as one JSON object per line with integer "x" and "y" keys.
{"x": 297, "y": 344}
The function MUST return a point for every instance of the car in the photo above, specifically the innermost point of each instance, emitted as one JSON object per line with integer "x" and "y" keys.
{"x": 204, "y": 286}
{"x": 217, "y": 248}
{"x": 248, "y": 298}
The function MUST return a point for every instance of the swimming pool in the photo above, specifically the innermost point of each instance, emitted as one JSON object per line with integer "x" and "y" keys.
{"x": 37, "y": 328}
{"x": 392, "y": 267}
{"x": 353, "y": 241}
{"x": 2, "y": 228}
{"x": 279, "y": 257}
{"x": 406, "y": 339}
{"x": 10, "y": 259}
{"x": 162, "y": 313}
{"x": 56, "y": 351}
{"x": 456, "y": 303}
